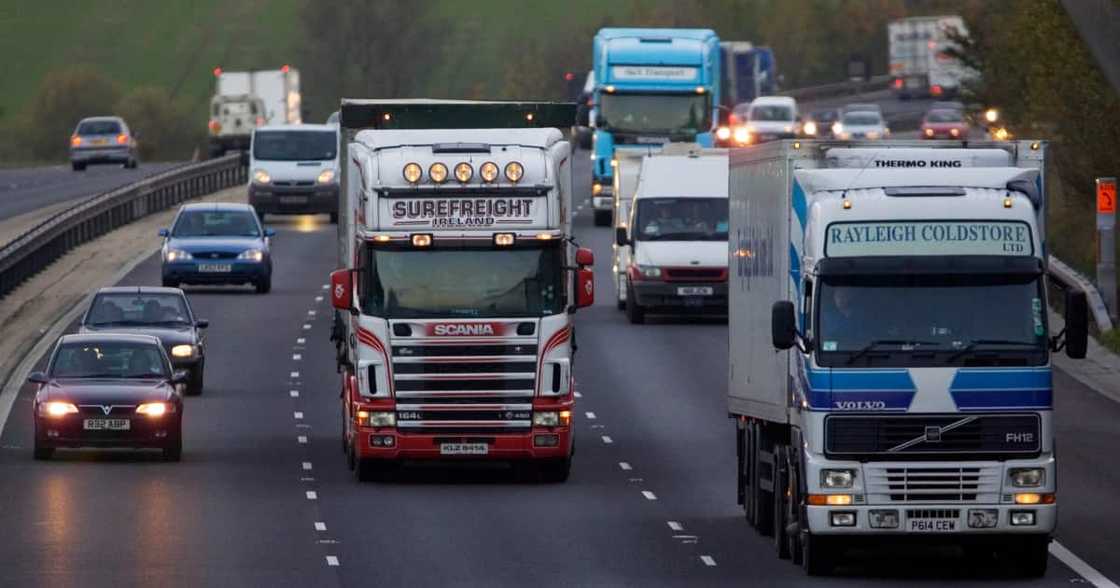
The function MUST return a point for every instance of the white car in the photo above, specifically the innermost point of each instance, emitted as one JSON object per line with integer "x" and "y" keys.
{"x": 861, "y": 124}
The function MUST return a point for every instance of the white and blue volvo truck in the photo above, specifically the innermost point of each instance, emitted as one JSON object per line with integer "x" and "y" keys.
{"x": 890, "y": 352}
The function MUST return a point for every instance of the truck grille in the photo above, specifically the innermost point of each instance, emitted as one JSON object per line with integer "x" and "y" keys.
{"x": 887, "y": 483}
{"x": 464, "y": 387}
{"x": 930, "y": 436}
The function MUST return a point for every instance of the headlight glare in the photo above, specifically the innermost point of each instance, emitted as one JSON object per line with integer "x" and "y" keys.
{"x": 252, "y": 255}
{"x": 488, "y": 171}
{"x": 463, "y": 172}
{"x": 834, "y": 479}
{"x": 182, "y": 351}
{"x": 153, "y": 409}
{"x": 261, "y": 177}
{"x": 57, "y": 409}
{"x": 178, "y": 255}
{"x": 326, "y": 176}
{"x": 514, "y": 171}
{"x": 412, "y": 172}
{"x": 438, "y": 173}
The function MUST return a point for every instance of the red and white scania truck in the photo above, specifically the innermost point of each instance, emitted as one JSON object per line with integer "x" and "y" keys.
{"x": 458, "y": 284}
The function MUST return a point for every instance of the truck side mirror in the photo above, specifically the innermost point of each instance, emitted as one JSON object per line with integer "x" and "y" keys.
{"x": 342, "y": 289}
{"x": 783, "y": 326}
{"x": 584, "y": 257}
{"x": 585, "y": 287}
{"x": 620, "y": 237}
{"x": 1077, "y": 325}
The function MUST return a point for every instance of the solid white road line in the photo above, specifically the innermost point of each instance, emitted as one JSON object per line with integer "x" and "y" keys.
{"x": 1078, "y": 565}
{"x": 293, "y": 393}
{"x": 307, "y": 466}
{"x": 708, "y": 561}
{"x": 649, "y": 495}
{"x": 312, "y": 495}
{"x": 625, "y": 466}
{"x": 320, "y": 526}
{"x": 298, "y": 415}
{"x": 590, "y": 415}
{"x": 332, "y": 561}
{"x": 607, "y": 439}
{"x": 302, "y": 439}
{"x": 674, "y": 525}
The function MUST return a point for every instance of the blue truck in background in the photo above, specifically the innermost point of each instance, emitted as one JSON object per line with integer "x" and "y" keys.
{"x": 747, "y": 72}
{"x": 652, "y": 86}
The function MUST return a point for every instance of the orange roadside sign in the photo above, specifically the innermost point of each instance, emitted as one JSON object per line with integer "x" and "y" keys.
{"x": 1106, "y": 195}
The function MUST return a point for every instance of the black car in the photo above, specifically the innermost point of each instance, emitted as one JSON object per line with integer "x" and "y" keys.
{"x": 108, "y": 390}
{"x": 819, "y": 124}
{"x": 163, "y": 313}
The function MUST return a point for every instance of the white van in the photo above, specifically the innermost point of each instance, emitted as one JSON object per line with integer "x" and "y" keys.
{"x": 293, "y": 169}
{"x": 770, "y": 118}
{"x": 677, "y": 235}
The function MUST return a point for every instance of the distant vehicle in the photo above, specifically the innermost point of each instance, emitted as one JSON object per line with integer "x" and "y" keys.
{"x": 677, "y": 235}
{"x": 108, "y": 390}
{"x": 747, "y": 72}
{"x": 860, "y": 124}
{"x": 770, "y": 118}
{"x": 819, "y": 124}
{"x": 917, "y": 53}
{"x": 256, "y": 98}
{"x": 944, "y": 123}
{"x": 862, "y": 107}
{"x": 164, "y": 313}
{"x": 294, "y": 170}
{"x": 217, "y": 243}
{"x": 584, "y": 102}
{"x": 103, "y": 139}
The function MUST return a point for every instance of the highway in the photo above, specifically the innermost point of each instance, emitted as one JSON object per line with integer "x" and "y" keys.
{"x": 263, "y": 495}
{"x": 23, "y": 190}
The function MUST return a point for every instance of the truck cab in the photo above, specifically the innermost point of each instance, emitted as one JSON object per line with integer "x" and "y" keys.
{"x": 652, "y": 86}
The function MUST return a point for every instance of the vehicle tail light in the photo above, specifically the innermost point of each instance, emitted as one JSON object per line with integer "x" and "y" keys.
{"x": 936, "y": 90}
{"x": 260, "y": 121}
{"x": 898, "y": 83}
{"x": 75, "y": 141}
{"x": 122, "y": 139}
{"x": 215, "y": 127}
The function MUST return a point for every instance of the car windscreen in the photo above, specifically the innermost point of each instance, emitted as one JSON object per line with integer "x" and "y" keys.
{"x": 295, "y": 145}
{"x": 767, "y": 112}
{"x": 109, "y": 359}
{"x": 99, "y": 127}
{"x": 137, "y": 309}
{"x": 866, "y": 119}
{"x": 216, "y": 223}
{"x": 681, "y": 219}
{"x": 944, "y": 116}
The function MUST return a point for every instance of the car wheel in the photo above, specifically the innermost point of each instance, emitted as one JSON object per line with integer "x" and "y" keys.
{"x": 634, "y": 311}
{"x": 173, "y": 451}
{"x": 42, "y": 453}
{"x": 334, "y": 218}
{"x": 264, "y": 285}
{"x": 78, "y": 166}
{"x": 603, "y": 218}
{"x": 194, "y": 384}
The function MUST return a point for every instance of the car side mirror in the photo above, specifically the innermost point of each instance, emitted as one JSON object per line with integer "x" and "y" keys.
{"x": 1077, "y": 325}
{"x": 342, "y": 289}
{"x": 202, "y": 323}
{"x": 180, "y": 376}
{"x": 621, "y": 238}
{"x": 37, "y": 378}
{"x": 783, "y": 325}
{"x": 164, "y": 233}
{"x": 270, "y": 232}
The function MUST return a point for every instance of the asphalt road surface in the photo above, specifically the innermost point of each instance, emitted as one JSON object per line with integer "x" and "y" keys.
{"x": 23, "y": 190}
{"x": 263, "y": 495}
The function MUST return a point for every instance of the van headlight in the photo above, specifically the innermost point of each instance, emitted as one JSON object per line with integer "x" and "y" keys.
{"x": 261, "y": 177}
{"x": 1027, "y": 477}
{"x": 326, "y": 176}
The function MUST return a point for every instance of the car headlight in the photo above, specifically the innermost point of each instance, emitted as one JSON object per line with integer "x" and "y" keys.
{"x": 154, "y": 409}
{"x": 810, "y": 128}
{"x": 723, "y": 133}
{"x": 742, "y": 135}
{"x": 252, "y": 255}
{"x": 261, "y": 177}
{"x": 182, "y": 351}
{"x": 326, "y": 176}
{"x": 57, "y": 409}
{"x": 377, "y": 418}
{"x": 1027, "y": 477}
{"x": 833, "y": 479}
{"x": 177, "y": 255}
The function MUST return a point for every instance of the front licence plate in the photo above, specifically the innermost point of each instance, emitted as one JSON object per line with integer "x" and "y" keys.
{"x": 933, "y": 525}
{"x": 695, "y": 291}
{"x": 293, "y": 200}
{"x": 106, "y": 424}
{"x": 214, "y": 267}
{"x": 463, "y": 449}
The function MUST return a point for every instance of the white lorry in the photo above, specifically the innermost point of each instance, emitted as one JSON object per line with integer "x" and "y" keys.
{"x": 459, "y": 284}
{"x": 890, "y": 350}
{"x": 918, "y": 63}
{"x": 245, "y": 100}
{"x": 674, "y": 240}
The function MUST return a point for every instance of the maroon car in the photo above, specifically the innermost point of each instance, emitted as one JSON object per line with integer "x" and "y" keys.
{"x": 108, "y": 390}
{"x": 944, "y": 124}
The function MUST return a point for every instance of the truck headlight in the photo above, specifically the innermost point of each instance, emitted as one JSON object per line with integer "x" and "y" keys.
{"x": 834, "y": 479}
{"x": 326, "y": 176}
{"x": 546, "y": 419}
{"x": 177, "y": 255}
{"x": 261, "y": 177}
{"x": 252, "y": 255}
{"x": 377, "y": 418}
{"x": 182, "y": 351}
{"x": 1027, "y": 477}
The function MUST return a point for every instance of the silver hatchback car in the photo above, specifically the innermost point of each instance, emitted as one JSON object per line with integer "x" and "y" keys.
{"x": 103, "y": 139}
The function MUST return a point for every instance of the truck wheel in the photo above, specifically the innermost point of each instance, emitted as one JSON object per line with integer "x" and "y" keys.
{"x": 603, "y": 218}
{"x": 781, "y": 502}
{"x": 556, "y": 471}
{"x": 763, "y": 500}
{"x": 816, "y": 555}
{"x": 634, "y": 312}
{"x": 374, "y": 470}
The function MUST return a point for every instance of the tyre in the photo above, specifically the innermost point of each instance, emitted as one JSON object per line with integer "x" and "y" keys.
{"x": 634, "y": 311}
{"x": 555, "y": 471}
{"x": 817, "y": 555}
{"x": 374, "y": 470}
{"x": 264, "y": 286}
{"x": 42, "y": 453}
{"x": 334, "y": 218}
{"x": 194, "y": 383}
{"x": 621, "y": 304}
{"x": 78, "y": 166}
{"x": 1028, "y": 555}
{"x": 173, "y": 451}
{"x": 781, "y": 502}
{"x": 603, "y": 218}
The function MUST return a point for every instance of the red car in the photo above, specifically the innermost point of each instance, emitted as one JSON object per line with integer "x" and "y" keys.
{"x": 944, "y": 124}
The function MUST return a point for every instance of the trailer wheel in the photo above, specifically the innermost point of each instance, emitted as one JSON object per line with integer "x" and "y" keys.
{"x": 763, "y": 499}
{"x": 781, "y": 501}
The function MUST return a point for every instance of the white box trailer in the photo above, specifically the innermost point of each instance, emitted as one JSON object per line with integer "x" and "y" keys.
{"x": 917, "y": 56}
{"x": 278, "y": 88}
{"x": 889, "y": 366}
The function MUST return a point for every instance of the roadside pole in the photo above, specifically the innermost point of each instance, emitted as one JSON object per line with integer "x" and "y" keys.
{"x": 1106, "y": 242}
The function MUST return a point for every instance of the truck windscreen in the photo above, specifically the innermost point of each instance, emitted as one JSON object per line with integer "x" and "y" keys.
{"x": 671, "y": 114}
{"x": 295, "y": 145}
{"x": 931, "y": 320}
{"x": 681, "y": 219}
{"x": 469, "y": 282}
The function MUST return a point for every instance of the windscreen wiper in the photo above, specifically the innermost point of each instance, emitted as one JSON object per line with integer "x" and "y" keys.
{"x": 876, "y": 343}
{"x": 972, "y": 345}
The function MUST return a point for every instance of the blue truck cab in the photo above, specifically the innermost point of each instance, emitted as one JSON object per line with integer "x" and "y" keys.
{"x": 652, "y": 86}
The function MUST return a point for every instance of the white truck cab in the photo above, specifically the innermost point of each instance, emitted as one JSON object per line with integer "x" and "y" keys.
{"x": 675, "y": 239}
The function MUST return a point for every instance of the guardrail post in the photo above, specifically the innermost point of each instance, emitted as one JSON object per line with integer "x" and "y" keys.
{"x": 1106, "y": 242}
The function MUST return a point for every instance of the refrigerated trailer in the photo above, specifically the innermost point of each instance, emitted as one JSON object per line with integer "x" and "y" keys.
{"x": 890, "y": 352}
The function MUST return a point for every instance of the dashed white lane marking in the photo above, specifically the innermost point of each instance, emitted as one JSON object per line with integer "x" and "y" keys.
{"x": 312, "y": 495}
{"x": 708, "y": 561}
{"x": 674, "y": 525}
{"x": 607, "y": 439}
{"x": 301, "y": 341}
{"x": 311, "y": 313}
{"x": 649, "y": 495}
{"x": 625, "y": 466}
{"x": 293, "y": 393}
{"x": 307, "y": 326}
{"x": 302, "y": 439}
{"x": 1078, "y": 565}
{"x": 296, "y": 357}
{"x": 307, "y": 466}
{"x": 578, "y": 395}
{"x": 590, "y": 415}
{"x": 332, "y": 561}
{"x": 320, "y": 526}
{"x": 318, "y": 299}
{"x": 298, "y": 415}
{"x": 295, "y": 374}
{"x": 325, "y": 286}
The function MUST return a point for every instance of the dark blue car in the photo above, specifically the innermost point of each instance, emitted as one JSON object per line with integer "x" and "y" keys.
{"x": 217, "y": 243}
